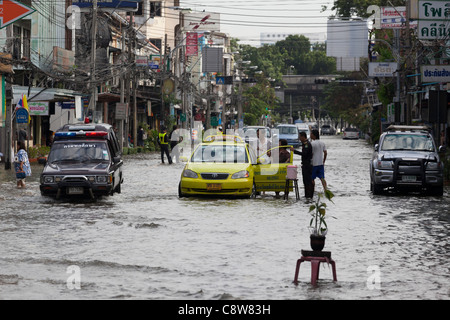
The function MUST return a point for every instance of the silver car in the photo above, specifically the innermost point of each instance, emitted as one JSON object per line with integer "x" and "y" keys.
{"x": 350, "y": 133}
{"x": 407, "y": 158}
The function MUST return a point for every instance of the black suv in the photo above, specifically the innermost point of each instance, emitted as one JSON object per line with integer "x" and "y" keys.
{"x": 84, "y": 160}
{"x": 407, "y": 158}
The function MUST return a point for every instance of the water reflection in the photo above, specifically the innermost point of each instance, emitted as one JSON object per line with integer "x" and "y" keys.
{"x": 146, "y": 243}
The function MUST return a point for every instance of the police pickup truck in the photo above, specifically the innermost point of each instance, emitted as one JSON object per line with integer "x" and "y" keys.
{"x": 85, "y": 160}
{"x": 406, "y": 157}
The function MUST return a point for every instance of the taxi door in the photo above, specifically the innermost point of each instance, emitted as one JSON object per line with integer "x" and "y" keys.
{"x": 270, "y": 175}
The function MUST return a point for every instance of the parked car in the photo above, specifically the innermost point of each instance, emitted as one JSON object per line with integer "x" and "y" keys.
{"x": 303, "y": 127}
{"x": 327, "y": 130}
{"x": 351, "y": 133}
{"x": 290, "y": 133}
{"x": 84, "y": 160}
{"x": 406, "y": 157}
{"x": 227, "y": 166}
{"x": 250, "y": 133}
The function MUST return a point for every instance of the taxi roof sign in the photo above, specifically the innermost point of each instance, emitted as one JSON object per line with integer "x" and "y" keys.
{"x": 223, "y": 137}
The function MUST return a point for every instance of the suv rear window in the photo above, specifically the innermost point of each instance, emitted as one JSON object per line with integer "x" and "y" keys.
{"x": 288, "y": 130}
{"x": 79, "y": 151}
{"x": 413, "y": 142}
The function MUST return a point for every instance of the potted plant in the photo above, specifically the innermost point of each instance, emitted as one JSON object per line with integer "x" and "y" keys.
{"x": 318, "y": 226}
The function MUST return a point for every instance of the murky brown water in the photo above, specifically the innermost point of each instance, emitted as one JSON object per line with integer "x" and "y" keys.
{"x": 146, "y": 243}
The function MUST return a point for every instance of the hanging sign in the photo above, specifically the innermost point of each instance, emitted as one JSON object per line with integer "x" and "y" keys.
{"x": 21, "y": 116}
{"x": 11, "y": 11}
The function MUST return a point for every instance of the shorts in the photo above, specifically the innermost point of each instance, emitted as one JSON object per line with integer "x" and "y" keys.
{"x": 318, "y": 172}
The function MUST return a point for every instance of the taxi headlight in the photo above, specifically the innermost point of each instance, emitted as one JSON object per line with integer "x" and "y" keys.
{"x": 240, "y": 174}
{"x": 91, "y": 179}
{"x": 189, "y": 174}
{"x": 49, "y": 179}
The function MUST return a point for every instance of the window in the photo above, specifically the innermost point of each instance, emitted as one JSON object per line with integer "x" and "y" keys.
{"x": 140, "y": 9}
{"x": 156, "y": 42}
{"x": 21, "y": 42}
{"x": 155, "y": 9}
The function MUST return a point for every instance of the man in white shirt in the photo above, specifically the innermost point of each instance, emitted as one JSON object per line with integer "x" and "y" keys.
{"x": 318, "y": 159}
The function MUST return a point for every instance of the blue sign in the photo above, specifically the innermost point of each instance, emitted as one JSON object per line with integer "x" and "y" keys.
{"x": 68, "y": 105}
{"x": 112, "y": 4}
{"x": 21, "y": 115}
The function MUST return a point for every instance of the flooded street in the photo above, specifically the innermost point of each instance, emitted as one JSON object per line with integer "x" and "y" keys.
{"x": 146, "y": 243}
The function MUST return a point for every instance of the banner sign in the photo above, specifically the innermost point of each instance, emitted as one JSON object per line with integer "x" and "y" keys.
{"x": 382, "y": 69}
{"x": 191, "y": 44}
{"x": 435, "y": 73}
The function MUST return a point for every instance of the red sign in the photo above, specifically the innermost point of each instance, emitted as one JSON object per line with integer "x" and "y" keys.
{"x": 191, "y": 44}
{"x": 11, "y": 11}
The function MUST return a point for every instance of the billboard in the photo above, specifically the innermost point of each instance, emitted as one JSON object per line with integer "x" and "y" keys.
{"x": 347, "y": 38}
{"x": 202, "y": 21}
{"x": 129, "y": 5}
{"x": 212, "y": 60}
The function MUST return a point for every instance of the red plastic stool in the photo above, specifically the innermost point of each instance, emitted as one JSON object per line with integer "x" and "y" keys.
{"x": 315, "y": 257}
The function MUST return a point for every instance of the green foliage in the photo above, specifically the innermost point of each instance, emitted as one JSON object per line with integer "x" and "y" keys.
{"x": 38, "y": 151}
{"x": 318, "y": 210}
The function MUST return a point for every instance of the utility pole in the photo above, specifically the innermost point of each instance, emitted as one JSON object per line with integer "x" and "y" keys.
{"x": 130, "y": 34}
{"x": 163, "y": 76}
{"x": 93, "y": 100}
{"x": 122, "y": 92}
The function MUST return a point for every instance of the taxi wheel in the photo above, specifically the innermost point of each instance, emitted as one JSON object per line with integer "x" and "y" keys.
{"x": 253, "y": 195}
{"x": 180, "y": 194}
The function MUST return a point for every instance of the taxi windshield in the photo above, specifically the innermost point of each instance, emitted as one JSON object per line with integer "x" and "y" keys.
{"x": 413, "y": 142}
{"x": 220, "y": 153}
{"x": 79, "y": 151}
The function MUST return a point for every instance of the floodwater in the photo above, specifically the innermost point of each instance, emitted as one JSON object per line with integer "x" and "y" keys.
{"x": 146, "y": 243}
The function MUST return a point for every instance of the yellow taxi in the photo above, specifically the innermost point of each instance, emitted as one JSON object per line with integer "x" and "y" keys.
{"x": 227, "y": 166}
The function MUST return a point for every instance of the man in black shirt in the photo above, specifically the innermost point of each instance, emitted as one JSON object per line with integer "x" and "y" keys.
{"x": 306, "y": 154}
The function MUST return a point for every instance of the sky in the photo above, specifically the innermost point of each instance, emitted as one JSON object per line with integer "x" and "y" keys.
{"x": 247, "y": 19}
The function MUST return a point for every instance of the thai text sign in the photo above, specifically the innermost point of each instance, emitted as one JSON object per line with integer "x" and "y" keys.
{"x": 382, "y": 69}
{"x": 393, "y": 17}
{"x": 436, "y": 73}
{"x": 38, "y": 108}
{"x": 434, "y": 10}
{"x": 433, "y": 19}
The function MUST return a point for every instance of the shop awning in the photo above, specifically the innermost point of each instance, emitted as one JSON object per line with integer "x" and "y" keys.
{"x": 43, "y": 94}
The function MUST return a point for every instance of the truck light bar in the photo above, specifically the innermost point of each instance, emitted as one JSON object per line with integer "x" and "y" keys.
{"x": 81, "y": 134}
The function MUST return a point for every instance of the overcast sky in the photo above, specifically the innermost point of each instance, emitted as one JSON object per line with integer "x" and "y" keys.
{"x": 247, "y": 19}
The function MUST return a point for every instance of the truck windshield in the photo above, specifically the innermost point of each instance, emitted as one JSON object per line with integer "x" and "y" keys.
{"x": 412, "y": 142}
{"x": 78, "y": 151}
